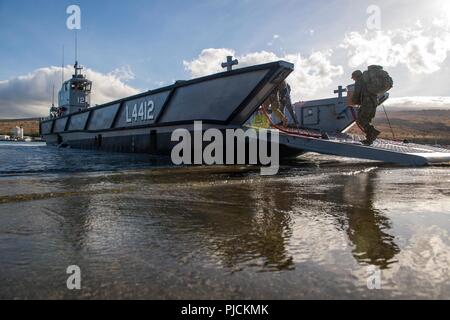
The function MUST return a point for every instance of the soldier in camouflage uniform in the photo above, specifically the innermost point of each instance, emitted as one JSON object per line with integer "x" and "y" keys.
{"x": 368, "y": 107}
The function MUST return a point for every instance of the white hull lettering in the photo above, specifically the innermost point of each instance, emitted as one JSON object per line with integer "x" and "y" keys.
{"x": 128, "y": 119}
{"x": 140, "y": 112}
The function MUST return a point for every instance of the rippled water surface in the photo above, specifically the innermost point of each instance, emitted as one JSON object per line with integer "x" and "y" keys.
{"x": 140, "y": 229}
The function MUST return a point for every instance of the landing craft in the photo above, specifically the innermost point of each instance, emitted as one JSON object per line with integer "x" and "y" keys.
{"x": 144, "y": 123}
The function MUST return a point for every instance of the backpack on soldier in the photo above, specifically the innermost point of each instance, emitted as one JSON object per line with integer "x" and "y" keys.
{"x": 377, "y": 80}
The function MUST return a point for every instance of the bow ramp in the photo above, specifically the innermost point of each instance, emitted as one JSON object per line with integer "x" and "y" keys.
{"x": 382, "y": 150}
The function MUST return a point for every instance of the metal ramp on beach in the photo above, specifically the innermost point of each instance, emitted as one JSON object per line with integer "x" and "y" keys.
{"x": 320, "y": 127}
{"x": 350, "y": 146}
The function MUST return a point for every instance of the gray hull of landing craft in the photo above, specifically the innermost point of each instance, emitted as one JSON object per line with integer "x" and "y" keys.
{"x": 144, "y": 123}
{"x": 143, "y": 141}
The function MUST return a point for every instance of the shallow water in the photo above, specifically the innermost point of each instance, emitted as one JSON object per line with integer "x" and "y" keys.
{"x": 140, "y": 229}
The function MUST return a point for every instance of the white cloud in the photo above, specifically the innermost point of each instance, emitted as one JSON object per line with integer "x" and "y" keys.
{"x": 123, "y": 73}
{"x": 311, "y": 73}
{"x": 30, "y": 95}
{"x": 418, "y": 103}
{"x": 425, "y": 259}
{"x": 422, "y": 50}
{"x": 111, "y": 86}
{"x": 208, "y": 62}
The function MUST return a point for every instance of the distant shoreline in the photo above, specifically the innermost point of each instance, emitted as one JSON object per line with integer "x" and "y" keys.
{"x": 418, "y": 126}
{"x": 18, "y": 142}
{"x": 19, "y": 119}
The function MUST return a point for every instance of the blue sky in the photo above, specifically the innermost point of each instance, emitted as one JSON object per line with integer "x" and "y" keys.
{"x": 153, "y": 39}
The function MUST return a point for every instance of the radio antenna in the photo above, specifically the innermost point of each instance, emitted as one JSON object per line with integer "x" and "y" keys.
{"x": 53, "y": 95}
{"x": 76, "y": 47}
{"x": 62, "y": 67}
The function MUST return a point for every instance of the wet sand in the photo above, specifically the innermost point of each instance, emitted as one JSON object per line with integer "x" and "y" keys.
{"x": 138, "y": 229}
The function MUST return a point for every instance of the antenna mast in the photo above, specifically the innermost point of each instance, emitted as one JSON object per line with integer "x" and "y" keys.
{"x": 76, "y": 47}
{"x": 53, "y": 96}
{"x": 76, "y": 67}
{"x": 62, "y": 67}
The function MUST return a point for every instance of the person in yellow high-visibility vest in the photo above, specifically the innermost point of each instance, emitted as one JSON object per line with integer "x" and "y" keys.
{"x": 275, "y": 103}
{"x": 260, "y": 120}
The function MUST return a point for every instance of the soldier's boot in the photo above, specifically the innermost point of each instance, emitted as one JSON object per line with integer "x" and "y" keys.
{"x": 371, "y": 137}
{"x": 375, "y": 134}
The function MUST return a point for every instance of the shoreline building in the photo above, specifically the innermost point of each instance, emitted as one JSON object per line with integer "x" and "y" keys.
{"x": 17, "y": 133}
{"x": 5, "y": 138}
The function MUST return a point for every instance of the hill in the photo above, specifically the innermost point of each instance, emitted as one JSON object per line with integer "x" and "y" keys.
{"x": 30, "y": 126}
{"x": 425, "y": 126}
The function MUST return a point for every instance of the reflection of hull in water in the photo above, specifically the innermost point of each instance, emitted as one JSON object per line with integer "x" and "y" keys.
{"x": 144, "y": 123}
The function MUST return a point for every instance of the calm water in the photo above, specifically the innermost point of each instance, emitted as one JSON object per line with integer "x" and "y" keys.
{"x": 138, "y": 229}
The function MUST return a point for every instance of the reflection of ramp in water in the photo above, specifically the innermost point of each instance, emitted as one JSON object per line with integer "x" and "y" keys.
{"x": 382, "y": 150}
